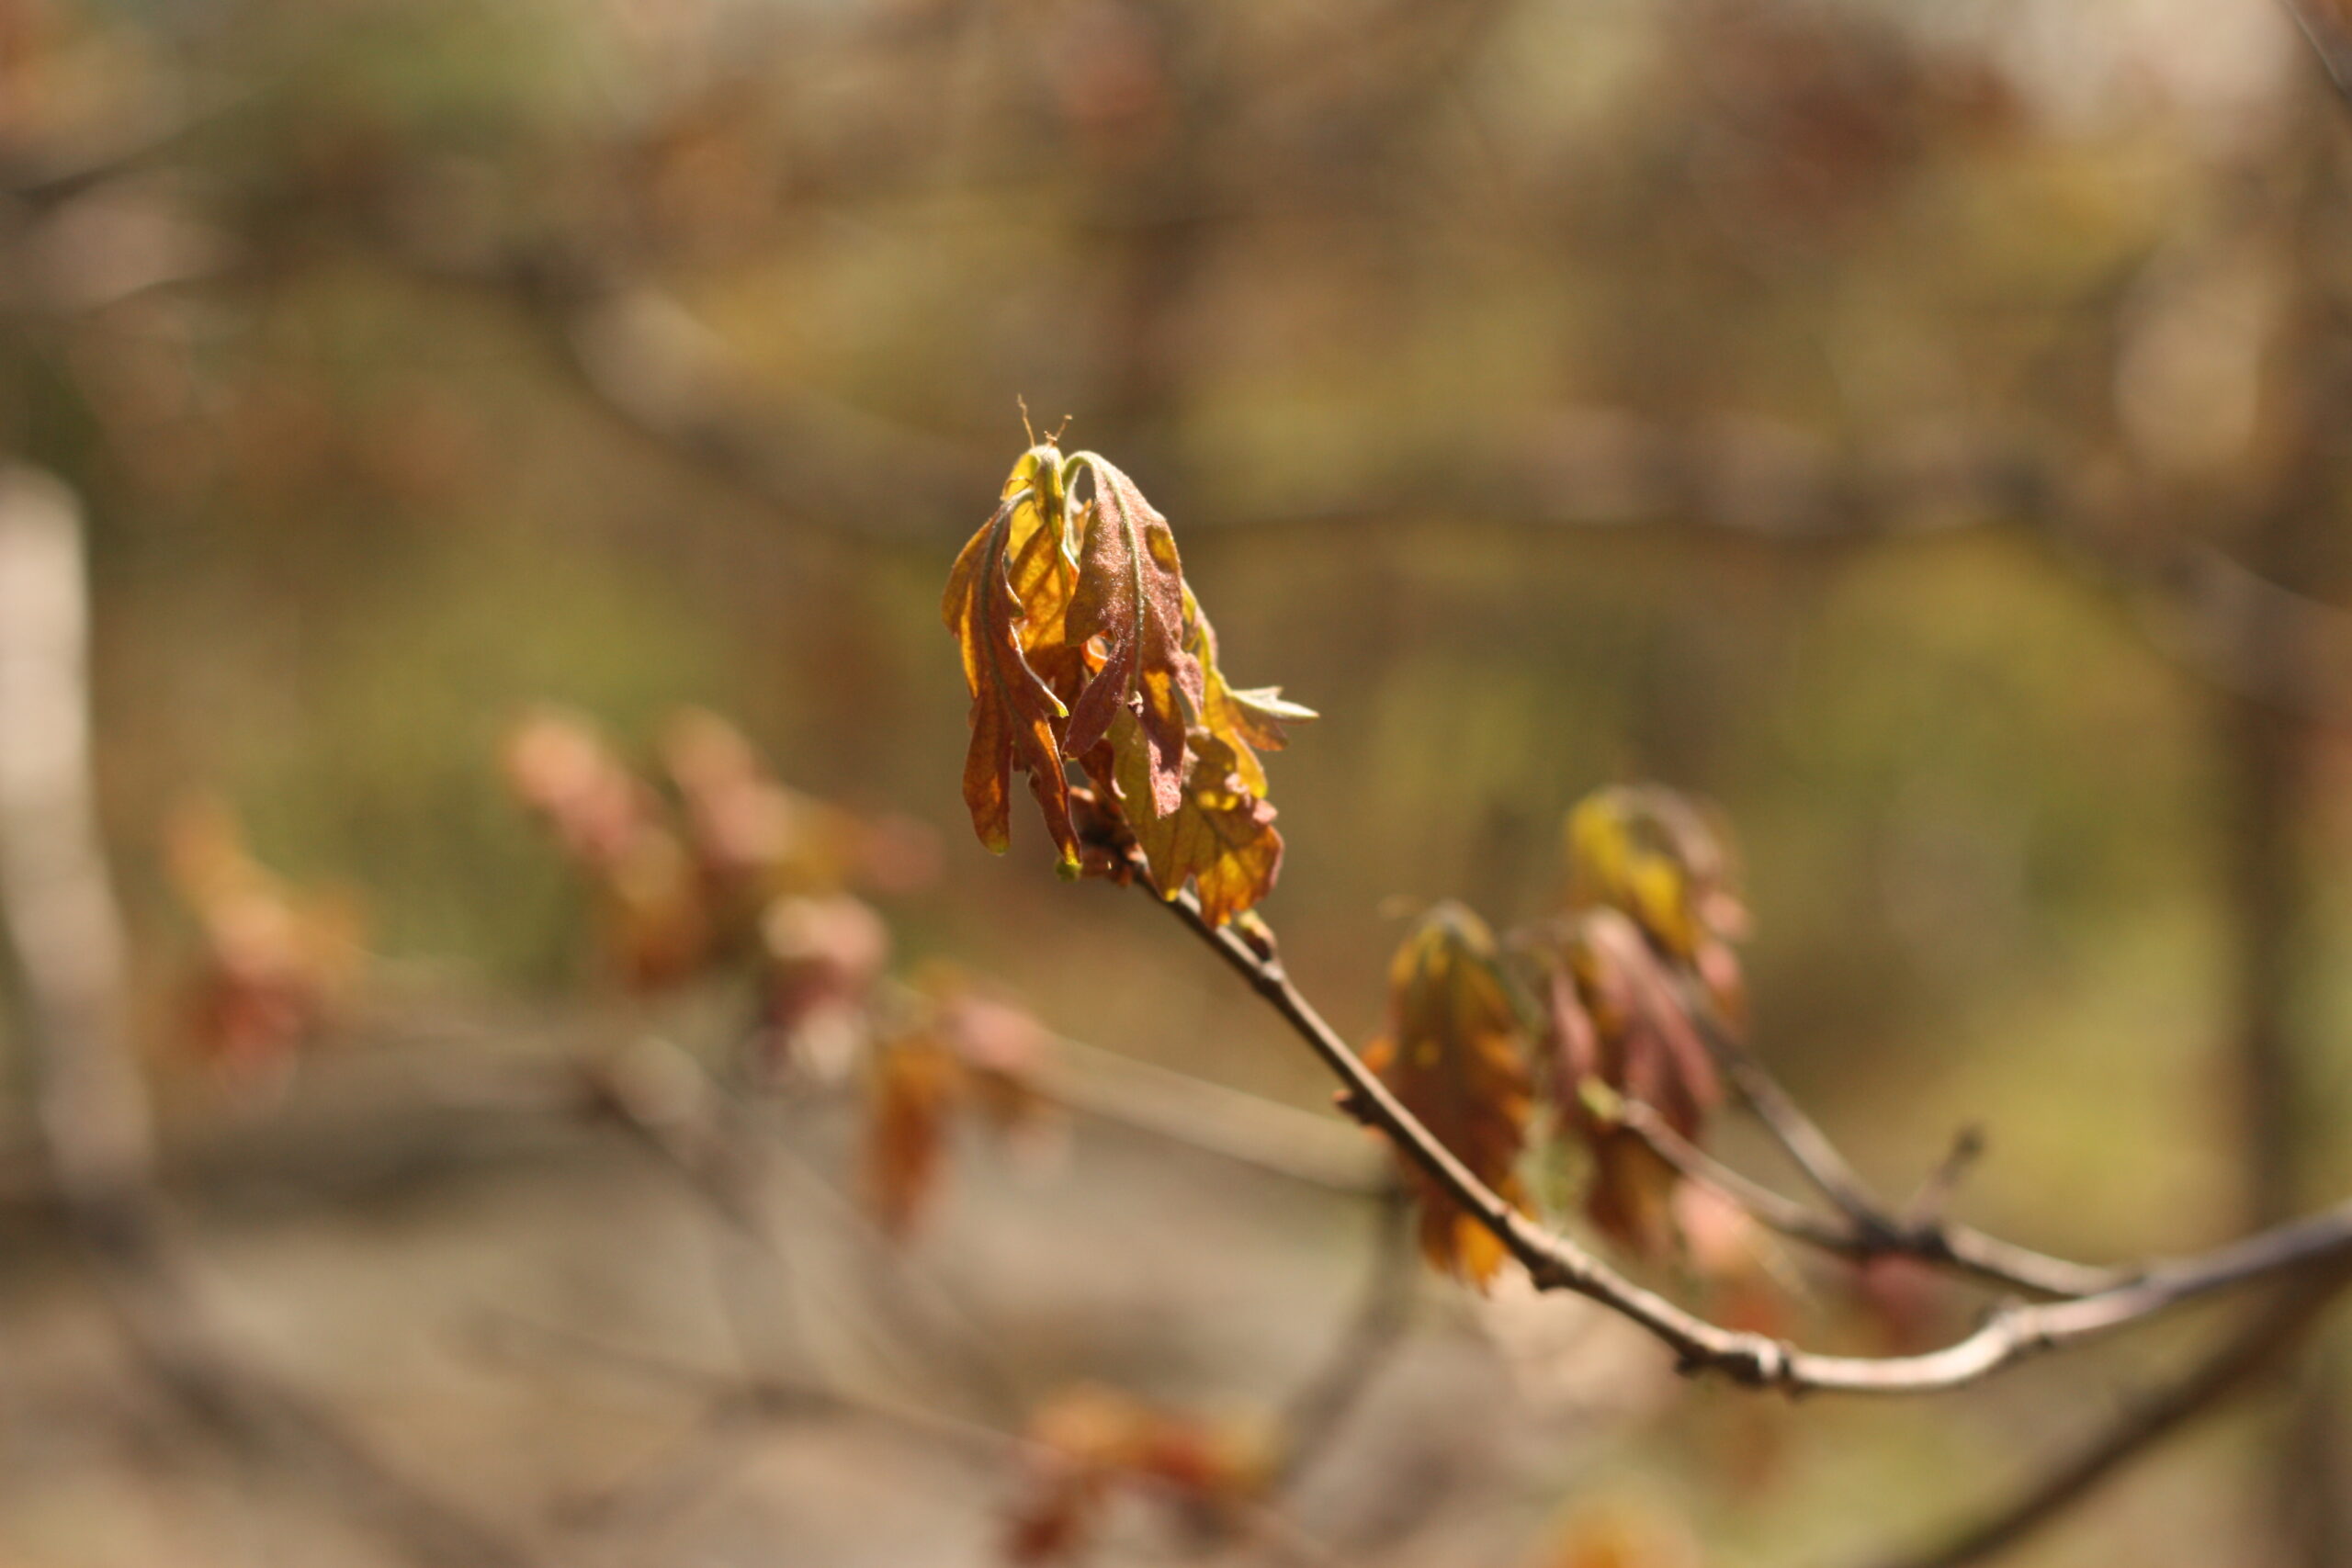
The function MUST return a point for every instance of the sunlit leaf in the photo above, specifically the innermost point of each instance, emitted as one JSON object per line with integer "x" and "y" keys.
{"x": 1219, "y": 837}
{"x": 1081, "y": 642}
{"x": 1131, "y": 595}
{"x": 1246, "y": 721}
{"x": 1008, "y": 595}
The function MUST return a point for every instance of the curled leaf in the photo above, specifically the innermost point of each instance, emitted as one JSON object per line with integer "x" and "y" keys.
{"x": 1008, "y": 595}
{"x": 1455, "y": 1053}
{"x": 1131, "y": 595}
{"x": 1620, "y": 1032}
{"x": 1082, "y": 641}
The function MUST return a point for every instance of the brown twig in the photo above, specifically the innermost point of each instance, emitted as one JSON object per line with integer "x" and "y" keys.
{"x": 1555, "y": 1262}
{"x": 1872, "y": 1228}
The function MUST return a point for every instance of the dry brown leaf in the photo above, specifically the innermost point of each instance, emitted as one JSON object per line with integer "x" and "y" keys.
{"x": 1220, "y": 837}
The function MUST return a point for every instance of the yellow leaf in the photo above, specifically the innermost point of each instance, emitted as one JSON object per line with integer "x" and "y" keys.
{"x": 1008, "y": 596}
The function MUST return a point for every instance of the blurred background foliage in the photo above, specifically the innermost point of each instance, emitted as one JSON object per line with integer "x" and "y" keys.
{"x": 1802, "y": 402}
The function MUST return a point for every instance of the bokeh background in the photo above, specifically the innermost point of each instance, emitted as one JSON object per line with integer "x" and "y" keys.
{"x": 1914, "y": 428}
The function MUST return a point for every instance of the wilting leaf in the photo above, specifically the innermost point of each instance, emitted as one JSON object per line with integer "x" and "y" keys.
{"x": 912, "y": 1093}
{"x": 1131, "y": 595}
{"x": 1008, "y": 595}
{"x": 1220, "y": 837}
{"x": 1088, "y": 1441}
{"x": 1665, "y": 862}
{"x": 1620, "y": 1032}
{"x": 1455, "y": 1055}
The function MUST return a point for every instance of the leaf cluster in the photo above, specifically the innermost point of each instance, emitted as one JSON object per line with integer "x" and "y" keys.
{"x": 1603, "y": 1005}
{"x": 1082, "y": 645}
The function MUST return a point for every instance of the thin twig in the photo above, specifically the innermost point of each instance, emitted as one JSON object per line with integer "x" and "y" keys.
{"x": 1876, "y": 1230}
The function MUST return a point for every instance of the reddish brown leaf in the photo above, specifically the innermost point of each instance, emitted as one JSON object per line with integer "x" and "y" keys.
{"x": 1455, "y": 1054}
{"x": 1619, "y": 1031}
{"x": 1131, "y": 595}
{"x": 1107, "y": 658}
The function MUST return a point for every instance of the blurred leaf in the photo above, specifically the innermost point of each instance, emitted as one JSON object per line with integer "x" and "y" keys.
{"x": 912, "y": 1088}
{"x": 274, "y": 965}
{"x": 1089, "y": 1439}
{"x": 656, "y": 925}
{"x": 1618, "y": 1024}
{"x": 1455, "y": 1054}
{"x": 819, "y": 960}
{"x": 1667, "y": 861}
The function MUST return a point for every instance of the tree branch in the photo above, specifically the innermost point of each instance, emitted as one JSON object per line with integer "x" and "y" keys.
{"x": 1555, "y": 1262}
